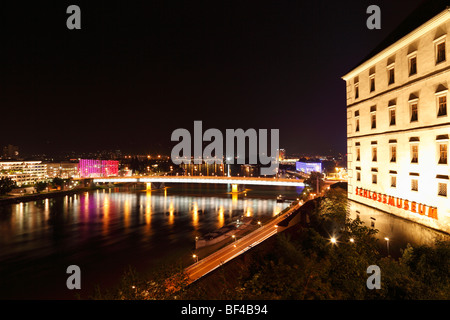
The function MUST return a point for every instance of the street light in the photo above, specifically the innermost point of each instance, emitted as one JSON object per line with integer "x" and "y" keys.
{"x": 387, "y": 244}
{"x": 333, "y": 240}
{"x": 234, "y": 237}
{"x": 195, "y": 257}
{"x": 352, "y": 240}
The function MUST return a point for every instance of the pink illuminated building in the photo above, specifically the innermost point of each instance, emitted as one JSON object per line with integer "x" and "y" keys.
{"x": 88, "y": 168}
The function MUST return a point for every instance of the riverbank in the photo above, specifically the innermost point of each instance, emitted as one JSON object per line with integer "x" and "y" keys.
{"x": 46, "y": 195}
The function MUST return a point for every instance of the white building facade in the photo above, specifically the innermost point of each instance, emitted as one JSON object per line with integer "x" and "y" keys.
{"x": 398, "y": 127}
{"x": 24, "y": 172}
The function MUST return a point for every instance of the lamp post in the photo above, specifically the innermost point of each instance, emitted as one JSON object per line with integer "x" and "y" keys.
{"x": 387, "y": 244}
{"x": 195, "y": 257}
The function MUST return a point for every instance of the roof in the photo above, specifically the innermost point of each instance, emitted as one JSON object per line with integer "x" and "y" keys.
{"x": 424, "y": 12}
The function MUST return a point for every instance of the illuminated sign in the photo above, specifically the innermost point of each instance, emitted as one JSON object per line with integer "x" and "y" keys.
{"x": 404, "y": 204}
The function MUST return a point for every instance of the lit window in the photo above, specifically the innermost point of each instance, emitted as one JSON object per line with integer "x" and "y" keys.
{"x": 414, "y": 185}
{"x": 392, "y": 116}
{"x": 440, "y": 52}
{"x": 391, "y": 76}
{"x": 374, "y": 154}
{"x": 442, "y": 189}
{"x": 414, "y": 153}
{"x": 358, "y": 154}
{"x": 414, "y": 112}
{"x": 374, "y": 121}
{"x": 393, "y": 181}
{"x": 393, "y": 153}
{"x": 443, "y": 153}
{"x": 442, "y": 105}
{"x": 357, "y": 125}
{"x": 412, "y": 65}
{"x": 372, "y": 83}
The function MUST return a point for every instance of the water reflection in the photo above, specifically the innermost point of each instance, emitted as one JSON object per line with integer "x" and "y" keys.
{"x": 108, "y": 227}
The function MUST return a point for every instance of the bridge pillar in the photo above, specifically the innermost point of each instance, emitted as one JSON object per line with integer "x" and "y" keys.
{"x": 154, "y": 185}
{"x": 235, "y": 188}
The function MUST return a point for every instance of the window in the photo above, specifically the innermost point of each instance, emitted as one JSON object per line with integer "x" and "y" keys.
{"x": 412, "y": 65}
{"x": 356, "y": 85}
{"x": 443, "y": 153}
{"x": 357, "y": 125}
{"x": 374, "y": 178}
{"x": 391, "y": 75}
{"x": 440, "y": 52}
{"x": 442, "y": 189}
{"x": 393, "y": 153}
{"x": 374, "y": 154}
{"x": 373, "y": 121}
{"x": 393, "y": 182}
{"x": 414, "y": 153}
{"x": 392, "y": 116}
{"x": 358, "y": 154}
{"x": 442, "y": 105}
{"x": 358, "y": 176}
{"x": 414, "y": 185}
{"x": 372, "y": 83}
{"x": 414, "y": 112}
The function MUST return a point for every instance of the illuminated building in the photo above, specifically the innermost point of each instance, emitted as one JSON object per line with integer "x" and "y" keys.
{"x": 308, "y": 167}
{"x": 281, "y": 154}
{"x": 88, "y": 168}
{"x": 398, "y": 123}
{"x": 64, "y": 170}
{"x": 23, "y": 172}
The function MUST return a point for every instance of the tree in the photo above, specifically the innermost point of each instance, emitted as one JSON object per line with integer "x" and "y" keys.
{"x": 6, "y": 185}
{"x": 40, "y": 186}
{"x": 58, "y": 182}
{"x": 314, "y": 178}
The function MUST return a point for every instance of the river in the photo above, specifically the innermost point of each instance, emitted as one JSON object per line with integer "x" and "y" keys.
{"x": 105, "y": 231}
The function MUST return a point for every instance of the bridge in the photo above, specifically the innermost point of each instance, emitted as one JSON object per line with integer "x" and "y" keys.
{"x": 234, "y": 181}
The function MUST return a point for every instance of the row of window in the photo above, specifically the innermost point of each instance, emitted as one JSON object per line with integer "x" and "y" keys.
{"x": 441, "y": 155}
{"x": 441, "y": 101}
{"x": 441, "y": 186}
{"x": 412, "y": 67}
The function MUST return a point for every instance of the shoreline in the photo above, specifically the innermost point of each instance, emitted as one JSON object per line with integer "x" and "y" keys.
{"x": 43, "y": 196}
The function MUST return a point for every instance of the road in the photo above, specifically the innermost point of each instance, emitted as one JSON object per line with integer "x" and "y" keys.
{"x": 216, "y": 259}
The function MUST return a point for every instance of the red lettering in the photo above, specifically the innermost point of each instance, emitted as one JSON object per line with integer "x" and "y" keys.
{"x": 399, "y": 203}
{"x": 406, "y": 205}
{"x": 391, "y": 201}
{"x": 374, "y": 196}
{"x": 422, "y": 208}
{"x": 379, "y": 197}
{"x": 357, "y": 191}
{"x": 365, "y": 193}
{"x": 413, "y": 207}
{"x": 432, "y": 212}
{"x": 384, "y": 198}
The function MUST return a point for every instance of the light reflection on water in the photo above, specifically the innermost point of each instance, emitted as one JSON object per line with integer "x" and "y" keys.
{"x": 109, "y": 228}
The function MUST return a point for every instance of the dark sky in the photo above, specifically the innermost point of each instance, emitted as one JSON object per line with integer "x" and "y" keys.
{"x": 136, "y": 71}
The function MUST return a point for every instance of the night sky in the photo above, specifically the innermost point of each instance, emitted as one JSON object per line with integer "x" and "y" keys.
{"x": 136, "y": 71}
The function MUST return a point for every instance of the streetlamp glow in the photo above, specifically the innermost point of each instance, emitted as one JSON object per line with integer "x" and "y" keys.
{"x": 387, "y": 244}
{"x": 333, "y": 240}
